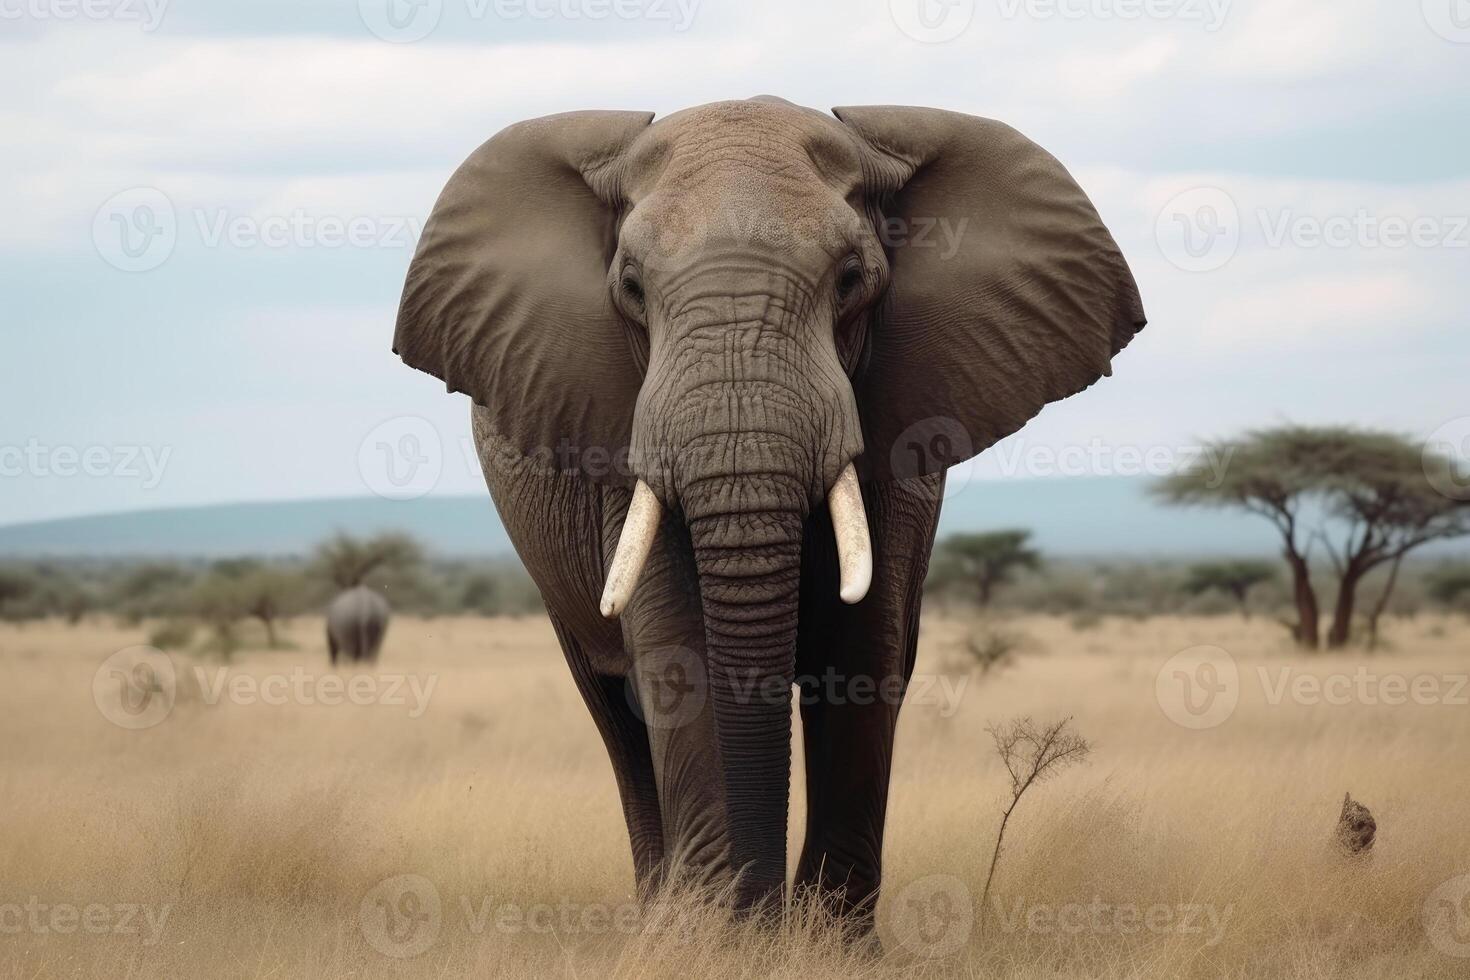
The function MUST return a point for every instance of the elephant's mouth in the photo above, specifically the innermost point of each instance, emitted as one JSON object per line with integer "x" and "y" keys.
{"x": 849, "y": 525}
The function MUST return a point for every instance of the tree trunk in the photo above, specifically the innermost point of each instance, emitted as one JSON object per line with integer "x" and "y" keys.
{"x": 1342, "y": 614}
{"x": 1240, "y": 594}
{"x": 1307, "y": 636}
{"x": 1382, "y": 603}
{"x": 270, "y": 632}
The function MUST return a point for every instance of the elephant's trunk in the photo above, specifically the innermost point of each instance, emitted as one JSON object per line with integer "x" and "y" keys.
{"x": 746, "y": 426}
{"x": 749, "y": 563}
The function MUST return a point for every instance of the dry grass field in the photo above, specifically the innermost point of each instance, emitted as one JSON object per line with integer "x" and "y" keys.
{"x": 260, "y": 830}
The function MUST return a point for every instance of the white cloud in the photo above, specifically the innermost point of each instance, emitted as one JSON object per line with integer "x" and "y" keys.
{"x": 1102, "y": 78}
{"x": 1296, "y": 38}
{"x": 1321, "y": 310}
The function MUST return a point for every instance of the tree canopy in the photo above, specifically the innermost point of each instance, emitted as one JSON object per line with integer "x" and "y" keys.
{"x": 1234, "y": 578}
{"x": 984, "y": 560}
{"x": 349, "y": 561}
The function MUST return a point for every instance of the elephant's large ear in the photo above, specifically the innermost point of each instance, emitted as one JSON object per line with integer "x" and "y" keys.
{"x": 1007, "y": 292}
{"x": 506, "y": 298}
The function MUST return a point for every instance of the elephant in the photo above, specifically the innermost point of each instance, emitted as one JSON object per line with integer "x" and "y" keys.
{"x": 356, "y": 623}
{"x": 719, "y": 364}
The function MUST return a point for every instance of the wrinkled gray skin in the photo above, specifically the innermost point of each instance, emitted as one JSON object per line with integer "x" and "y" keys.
{"x": 356, "y": 622}
{"x": 712, "y": 292}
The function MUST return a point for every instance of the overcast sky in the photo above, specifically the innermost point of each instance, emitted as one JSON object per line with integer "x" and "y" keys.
{"x": 183, "y": 322}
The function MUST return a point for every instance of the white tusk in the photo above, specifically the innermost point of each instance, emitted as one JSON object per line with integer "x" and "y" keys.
{"x": 850, "y": 525}
{"x": 639, "y": 529}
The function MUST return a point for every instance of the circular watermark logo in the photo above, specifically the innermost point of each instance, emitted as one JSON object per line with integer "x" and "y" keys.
{"x": 1199, "y": 230}
{"x": 135, "y": 688}
{"x": 932, "y": 917}
{"x": 400, "y": 21}
{"x": 136, "y": 230}
{"x": 1199, "y": 687}
{"x": 1447, "y": 917}
{"x": 402, "y": 458}
{"x": 1450, "y": 19}
{"x": 668, "y": 687}
{"x": 930, "y": 447}
{"x": 679, "y": 231}
{"x": 932, "y": 21}
{"x": 1447, "y": 459}
{"x": 401, "y": 916}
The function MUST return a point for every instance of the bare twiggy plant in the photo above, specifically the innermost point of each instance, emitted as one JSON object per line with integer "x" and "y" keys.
{"x": 1031, "y": 754}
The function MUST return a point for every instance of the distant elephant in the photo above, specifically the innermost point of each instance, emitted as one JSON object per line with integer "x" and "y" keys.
{"x": 356, "y": 622}
{"x": 720, "y": 364}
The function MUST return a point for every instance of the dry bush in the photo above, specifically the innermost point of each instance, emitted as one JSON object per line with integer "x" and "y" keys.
{"x": 989, "y": 646}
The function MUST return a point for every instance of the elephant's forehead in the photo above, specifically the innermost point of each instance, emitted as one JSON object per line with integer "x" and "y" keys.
{"x": 750, "y": 150}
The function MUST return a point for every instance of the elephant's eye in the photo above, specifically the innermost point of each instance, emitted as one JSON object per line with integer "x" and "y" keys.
{"x": 849, "y": 278}
{"x": 632, "y": 289}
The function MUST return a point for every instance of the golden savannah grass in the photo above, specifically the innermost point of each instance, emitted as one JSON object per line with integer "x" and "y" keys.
{"x": 469, "y": 826}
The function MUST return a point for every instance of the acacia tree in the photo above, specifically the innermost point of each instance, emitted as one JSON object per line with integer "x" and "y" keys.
{"x": 218, "y": 602}
{"x": 246, "y": 588}
{"x": 270, "y": 594}
{"x": 1369, "y": 497}
{"x": 1386, "y": 496}
{"x": 348, "y": 561}
{"x": 153, "y": 589}
{"x": 1235, "y": 578}
{"x": 1265, "y": 473}
{"x": 986, "y": 560}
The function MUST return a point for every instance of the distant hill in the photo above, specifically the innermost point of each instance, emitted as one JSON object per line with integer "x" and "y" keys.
{"x": 451, "y": 525}
{"x": 1087, "y": 517}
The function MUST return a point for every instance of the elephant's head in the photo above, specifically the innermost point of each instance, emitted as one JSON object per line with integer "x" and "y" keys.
{"x": 738, "y": 309}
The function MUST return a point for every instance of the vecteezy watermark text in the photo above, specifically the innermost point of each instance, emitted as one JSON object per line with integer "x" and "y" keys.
{"x": 682, "y": 232}
{"x": 138, "y": 687}
{"x": 40, "y": 918}
{"x": 407, "y": 21}
{"x": 1108, "y": 918}
{"x": 36, "y": 459}
{"x": 137, "y": 230}
{"x": 305, "y": 688}
{"x": 937, "y": 21}
{"x": 1201, "y": 229}
{"x": 669, "y": 688}
{"x": 1200, "y": 688}
{"x": 403, "y": 916}
{"x": 1363, "y": 686}
{"x": 300, "y": 228}
{"x": 1016, "y": 457}
{"x": 1210, "y": 14}
{"x": 147, "y": 14}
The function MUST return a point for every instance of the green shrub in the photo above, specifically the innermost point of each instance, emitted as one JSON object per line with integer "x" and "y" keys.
{"x": 172, "y": 634}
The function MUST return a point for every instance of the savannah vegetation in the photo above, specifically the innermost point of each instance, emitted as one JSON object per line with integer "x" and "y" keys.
{"x": 1001, "y": 571}
{"x": 264, "y": 839}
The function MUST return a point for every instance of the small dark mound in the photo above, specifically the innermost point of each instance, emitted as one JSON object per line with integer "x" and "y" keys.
{"x": 1356, "y": 827}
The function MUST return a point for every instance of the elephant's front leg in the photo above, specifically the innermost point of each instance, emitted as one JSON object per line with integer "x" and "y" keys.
{"x": 626, "y": 740}
{"x": 557, "y": 525}
{"x": 663, "y": 630}
{"x": 854, "y": 665}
